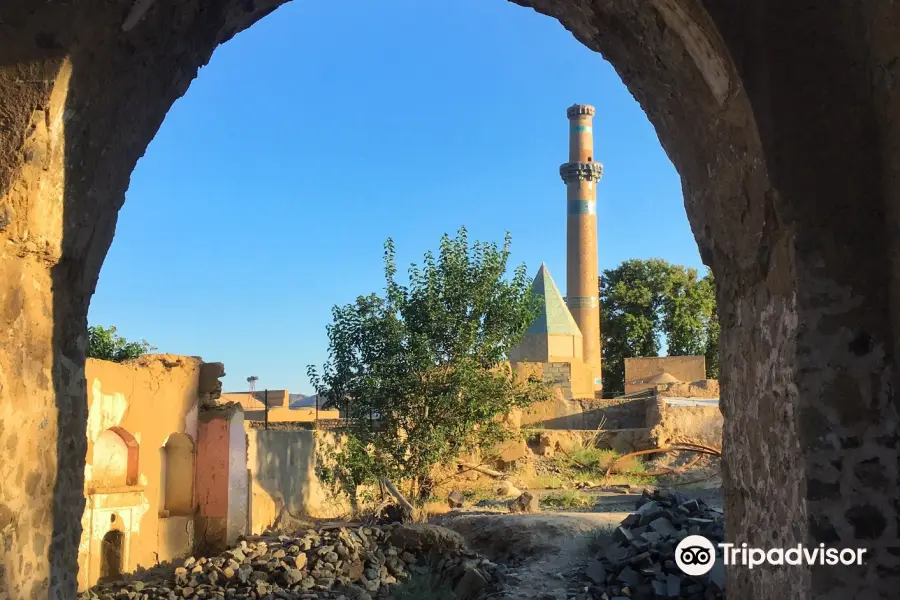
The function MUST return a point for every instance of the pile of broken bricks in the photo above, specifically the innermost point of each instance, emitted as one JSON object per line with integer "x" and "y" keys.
{"x": 638, "y": 563}
{"x": 346, "y": 563}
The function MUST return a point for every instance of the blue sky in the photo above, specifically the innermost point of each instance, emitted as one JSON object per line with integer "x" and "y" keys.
{"x": 268, "y": 193}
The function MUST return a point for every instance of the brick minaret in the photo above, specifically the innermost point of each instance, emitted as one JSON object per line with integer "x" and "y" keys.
{"x": 581, "y": 175}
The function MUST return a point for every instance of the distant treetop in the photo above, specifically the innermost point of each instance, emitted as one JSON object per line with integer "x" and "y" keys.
{"x": 103, "y": 343}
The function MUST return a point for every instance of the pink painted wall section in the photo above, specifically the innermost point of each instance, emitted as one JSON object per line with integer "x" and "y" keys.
{"x": 212, "y": 472}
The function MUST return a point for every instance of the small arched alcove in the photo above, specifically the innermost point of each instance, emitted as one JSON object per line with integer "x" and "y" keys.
{"x": 177, "y": 470}
{"x": 115, "y": 459}
{"x": 112, "y": 555}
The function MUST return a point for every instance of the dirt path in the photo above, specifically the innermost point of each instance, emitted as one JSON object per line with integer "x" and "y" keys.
{"x": 545, "y": 551}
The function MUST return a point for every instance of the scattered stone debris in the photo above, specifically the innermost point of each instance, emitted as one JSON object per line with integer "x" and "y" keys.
{"x": 456, "y": 499}
{"x": 525, "y": 503}
{"x": 505, "y": 489}
{"x": 639, "y": 561}
{"x": 344, "y": 563}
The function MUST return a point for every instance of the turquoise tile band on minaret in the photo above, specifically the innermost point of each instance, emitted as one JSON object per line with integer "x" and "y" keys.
{"x": 582, "y": 207}
{"x": 582, "y": 128}
{"x": 583, "y": 302}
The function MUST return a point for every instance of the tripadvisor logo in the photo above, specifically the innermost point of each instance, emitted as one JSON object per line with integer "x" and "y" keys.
{"x": 695, "y": 555}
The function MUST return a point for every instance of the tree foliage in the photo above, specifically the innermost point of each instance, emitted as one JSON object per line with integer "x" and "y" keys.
{"x": 644, "y": 302}
{"x": 420, "y": 370}
{"x": 105, "y": 344}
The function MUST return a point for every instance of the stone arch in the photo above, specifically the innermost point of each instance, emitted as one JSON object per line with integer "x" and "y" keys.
{"x": 788, "y": 152}
{"x": 178, "y": 476}
{"x": 114, "y": 462}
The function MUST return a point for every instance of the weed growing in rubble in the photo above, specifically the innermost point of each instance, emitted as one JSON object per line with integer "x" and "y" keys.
{"x": 566, "y": 500}
{"x": 583, "y": 465}
{"x": 422, "y": 587}
{"x": 595, "y": 459}
{"x": 549, "y": 482}
{"x": 599, "y": 538}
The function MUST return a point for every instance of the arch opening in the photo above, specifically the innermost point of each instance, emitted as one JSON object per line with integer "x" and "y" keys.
{"x": 115, "y": 459}
{"x": 177, "y": 476}
{"x": 112, "y": 555}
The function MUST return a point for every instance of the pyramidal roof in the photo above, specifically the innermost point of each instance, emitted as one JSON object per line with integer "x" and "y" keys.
{"x": 554, "y": 317}
{"x": 663, "y": 378}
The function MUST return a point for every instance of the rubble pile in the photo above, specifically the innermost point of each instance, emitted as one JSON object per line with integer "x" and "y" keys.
{"x": 639, "y": 562}
{"x": 346, "y": 563}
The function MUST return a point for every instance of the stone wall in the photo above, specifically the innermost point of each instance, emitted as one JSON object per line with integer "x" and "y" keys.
{"x": 638, "y": 371}
{"x": 141, "y": 432}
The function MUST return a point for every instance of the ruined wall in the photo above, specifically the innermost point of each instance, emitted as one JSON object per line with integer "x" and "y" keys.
{"x": 559, "y": 413}
{"x": 141, "y": 415}
{"x": 573, "y": 404}
{"x": 572, "y": 379}
{"x": 548, "y": 442}
{"x": 282, "y": 466}
{"x": 793, "y": 205}
{"x": 221, "y": 477}
{"x": 638, "y": 371}
{"x": 695, "y": 424}
{"x": 704, "y": 388}
{"x": 680, "y": 420}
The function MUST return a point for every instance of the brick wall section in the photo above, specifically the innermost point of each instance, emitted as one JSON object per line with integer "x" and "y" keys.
{"x": 559, "y": 375}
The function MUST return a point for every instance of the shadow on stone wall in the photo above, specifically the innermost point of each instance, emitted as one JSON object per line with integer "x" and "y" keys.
{"x": 282, "y": 464}
{"x": 590, "y": 414}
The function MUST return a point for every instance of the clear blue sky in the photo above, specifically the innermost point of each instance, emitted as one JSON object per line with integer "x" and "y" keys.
{"x": 267, "y": 195}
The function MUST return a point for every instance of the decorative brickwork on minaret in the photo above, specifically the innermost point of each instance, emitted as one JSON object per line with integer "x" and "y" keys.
{"x": 581, "y": 175}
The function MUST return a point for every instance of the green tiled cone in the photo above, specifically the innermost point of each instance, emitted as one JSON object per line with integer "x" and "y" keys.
{"x": 554, "y": 317}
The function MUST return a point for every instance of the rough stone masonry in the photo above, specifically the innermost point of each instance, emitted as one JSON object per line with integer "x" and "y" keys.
{"x": 781, "y": 116}
{"x": 345, "y": 563}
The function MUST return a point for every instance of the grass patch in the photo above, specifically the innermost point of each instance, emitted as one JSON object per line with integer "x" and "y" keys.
{"x": 566, "y": 500}
{"x": 594, "y": 459}
{"x": 549, "y": 482}
{"x": 422, "y": 587}
{"x": 590, "y": 464}
{"x": 476, "y": 495}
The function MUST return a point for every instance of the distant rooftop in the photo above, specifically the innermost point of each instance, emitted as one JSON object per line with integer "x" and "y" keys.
{"x": 276, "y": 398}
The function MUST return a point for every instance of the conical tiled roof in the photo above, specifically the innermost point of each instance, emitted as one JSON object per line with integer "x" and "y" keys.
{"x": 554, "y": 317}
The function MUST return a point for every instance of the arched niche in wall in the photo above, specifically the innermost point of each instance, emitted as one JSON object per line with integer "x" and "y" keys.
{"x": 115, "y": 459}
{"x": 178, "y": 475}
{"x": 112, "y": 555}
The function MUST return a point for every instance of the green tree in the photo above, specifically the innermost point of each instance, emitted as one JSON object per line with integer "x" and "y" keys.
{"x": 420, "y": 371}
{"x": 105, "y": 344}
{"x": 646, "y": 302}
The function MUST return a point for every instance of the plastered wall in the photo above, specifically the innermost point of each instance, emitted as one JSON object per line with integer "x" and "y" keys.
{"x": 133, "y": 410}
{"x": 701, "y": 423}
{"x": 283, "y": 477}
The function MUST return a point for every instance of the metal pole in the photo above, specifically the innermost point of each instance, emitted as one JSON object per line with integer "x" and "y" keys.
{"x": 266, "y": 400}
